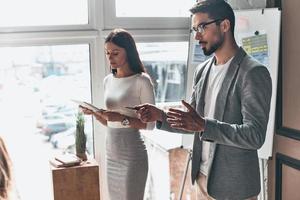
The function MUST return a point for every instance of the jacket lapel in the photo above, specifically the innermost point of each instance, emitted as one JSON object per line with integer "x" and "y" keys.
{"x": 202, "y": 88}
{"x": 223, "y": 93}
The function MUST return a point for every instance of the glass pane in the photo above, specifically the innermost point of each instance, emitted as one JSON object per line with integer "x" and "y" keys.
{"x": 166, "y": 62}
{"x": 153, "y": 8}
{"x": 38, "y": 120}
{"x": 43, "y": 12}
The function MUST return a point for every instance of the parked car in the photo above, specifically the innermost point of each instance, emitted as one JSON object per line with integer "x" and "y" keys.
{"x": 64, "y": 139}
{"x": 46, "y": 119}
{"x": 52, "y": 128}
{"x": 67, "y": 110}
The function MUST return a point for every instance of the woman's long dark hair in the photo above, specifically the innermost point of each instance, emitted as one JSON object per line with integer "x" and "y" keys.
{"x": 123, "y": 39}
{"x": 5, "y": 171}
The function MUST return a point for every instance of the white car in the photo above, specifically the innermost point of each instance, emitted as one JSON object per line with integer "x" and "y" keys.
{"x": 64, "y": 139}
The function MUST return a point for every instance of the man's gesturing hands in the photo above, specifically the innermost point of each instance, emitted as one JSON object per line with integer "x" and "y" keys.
{"x": 188, "y": 120}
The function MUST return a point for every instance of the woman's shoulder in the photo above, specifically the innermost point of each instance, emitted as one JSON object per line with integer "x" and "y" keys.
{"x": 145, "y": 81}
{"x": 108, "y": 77}
{"x": 144, "y": 77}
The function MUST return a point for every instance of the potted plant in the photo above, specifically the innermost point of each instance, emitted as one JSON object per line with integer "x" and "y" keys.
{"x": 80, "y": 138}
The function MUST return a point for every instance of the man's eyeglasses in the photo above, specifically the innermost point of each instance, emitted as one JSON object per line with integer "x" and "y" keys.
{"x": 201, "y": 27}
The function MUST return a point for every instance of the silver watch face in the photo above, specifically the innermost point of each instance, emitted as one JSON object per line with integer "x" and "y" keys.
{"x": 125, "y": 122}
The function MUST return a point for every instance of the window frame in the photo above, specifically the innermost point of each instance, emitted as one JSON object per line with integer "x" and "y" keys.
{"x": 111, "y": 20}
{"x": 92, "y": 23}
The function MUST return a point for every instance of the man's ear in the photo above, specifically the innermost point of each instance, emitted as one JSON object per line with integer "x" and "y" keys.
{"x": 225, "y": 25}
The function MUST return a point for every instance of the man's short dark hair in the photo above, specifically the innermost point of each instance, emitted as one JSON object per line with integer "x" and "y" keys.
{"x": 216, "y": 9}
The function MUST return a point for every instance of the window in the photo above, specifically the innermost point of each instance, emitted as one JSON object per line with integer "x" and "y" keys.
{"x": 16, "y": 13}
{"x": 146, "y": 8}
{"x": 166, "y": 62}
{"x": 49, "y": 56}
{"x": 144, "y": 14}
{"x": 36, "y": 85}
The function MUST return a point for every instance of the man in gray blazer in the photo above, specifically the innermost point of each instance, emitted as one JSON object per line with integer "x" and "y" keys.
{"x": 228, "y": 112}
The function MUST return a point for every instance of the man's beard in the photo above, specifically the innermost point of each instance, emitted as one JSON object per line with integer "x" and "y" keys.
{"x": 214, "y": 47}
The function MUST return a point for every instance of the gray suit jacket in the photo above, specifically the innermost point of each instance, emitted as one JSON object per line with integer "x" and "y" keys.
{"x": 237, "y": 130}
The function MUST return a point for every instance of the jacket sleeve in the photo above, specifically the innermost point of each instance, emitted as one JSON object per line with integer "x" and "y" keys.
{"x": 255, "y": 99}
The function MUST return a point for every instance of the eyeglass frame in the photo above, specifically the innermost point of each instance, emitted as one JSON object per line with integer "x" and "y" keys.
{"x": 201, "y": 27}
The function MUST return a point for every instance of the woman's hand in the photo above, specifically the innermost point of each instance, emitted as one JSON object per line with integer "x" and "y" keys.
{"x": 111, "y": 116}
{"x": 86, "y": 111}
{"x": 100, "y": 117}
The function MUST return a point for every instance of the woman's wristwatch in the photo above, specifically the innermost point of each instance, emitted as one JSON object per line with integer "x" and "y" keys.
{"x": 125, "y": 122}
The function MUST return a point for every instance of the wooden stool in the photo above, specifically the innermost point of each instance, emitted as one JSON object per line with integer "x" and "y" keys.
{"x": 76, "y": 183}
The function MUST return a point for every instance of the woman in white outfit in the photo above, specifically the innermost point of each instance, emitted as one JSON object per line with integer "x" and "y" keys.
{"x": 128, "y": 85}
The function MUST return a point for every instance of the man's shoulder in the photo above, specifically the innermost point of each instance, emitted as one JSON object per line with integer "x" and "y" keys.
{"x": 249, "y": 63}
{"x": 203, "y": 65}
{"x": 246, "y": 62}
{"x": 201, "y": 69}
{"x": 250, "y": 67}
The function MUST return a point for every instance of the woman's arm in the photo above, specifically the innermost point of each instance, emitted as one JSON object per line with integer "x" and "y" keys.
{"x": 147, "y": 96}
{"x": 112, "y": 116}
{"x": 146, "y": 93}
{"x": 98, "y": 115}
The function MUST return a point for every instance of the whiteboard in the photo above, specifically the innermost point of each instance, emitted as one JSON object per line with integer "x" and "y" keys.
{"x": 258, "y": 31}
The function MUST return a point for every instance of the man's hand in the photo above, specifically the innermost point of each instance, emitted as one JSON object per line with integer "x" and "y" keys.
{"x": 187, "y": 121}
{"x": 149, "y": 113}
